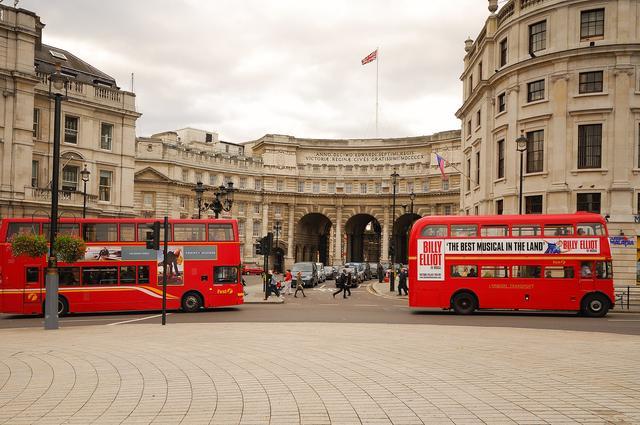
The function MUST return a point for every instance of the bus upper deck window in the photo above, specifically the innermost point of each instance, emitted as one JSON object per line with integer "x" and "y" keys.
{"x": 434, "y": 231}
{"x": 590, "y": 229}
{"x": 495, "y": 231}
{"x": 22, "y": 229}
{"x": 464, "y": 230}
{"x": 127, "y": 232}
{"x": 526, "y": 230}
{"x": 220, "y": 232}
{"x": 189, "y": 232}
{"x": 72, "y": 229}
{"x": 100, "y": 232}
{"x": 558, "y": 229}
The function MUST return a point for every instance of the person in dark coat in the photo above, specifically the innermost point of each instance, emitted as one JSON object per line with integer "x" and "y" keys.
{"x": 380, "y": 273}
{"x": 402, "y": 282}
{"x": 347, "y": 285}
{"x": 341, "y": 283}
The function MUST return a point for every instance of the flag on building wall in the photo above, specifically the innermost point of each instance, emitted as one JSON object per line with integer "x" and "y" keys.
{"x": 441, "y": 164}
{"x": 370, "y": 57}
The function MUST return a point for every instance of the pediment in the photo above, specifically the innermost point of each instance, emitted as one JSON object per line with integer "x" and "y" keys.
{"x": 150, "y": 174}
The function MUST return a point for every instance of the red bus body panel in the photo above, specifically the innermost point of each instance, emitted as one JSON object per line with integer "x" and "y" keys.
{"x": 535, "y": 293}
{"x": 17, "y": 296}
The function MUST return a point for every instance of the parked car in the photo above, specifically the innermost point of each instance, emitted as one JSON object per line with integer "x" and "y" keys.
{"x": 373, "y": 268}
{"x": 330, "y": 272}
{"x": 359, "y": 271}
{"x": 321, "y": 276}
{"x": 308, "y": 271}
{"x": 251, "y": 269}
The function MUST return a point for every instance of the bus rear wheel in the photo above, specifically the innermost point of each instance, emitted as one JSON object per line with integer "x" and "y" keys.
{"x": 191, "y": 302}
{"x": 595, "y": 305}
{"x": 63, "y": 306}
{"x": 464, "y": 303}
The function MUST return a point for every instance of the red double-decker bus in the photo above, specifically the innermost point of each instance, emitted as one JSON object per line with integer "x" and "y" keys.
{"x": 537, "y": 262}
{"x": 118, "y": 272}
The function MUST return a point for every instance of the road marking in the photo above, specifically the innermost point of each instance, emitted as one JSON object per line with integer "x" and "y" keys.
{"x": 623, "y": 320}
{"x": 366, "y": 305}
{"x": 136, "y": 320}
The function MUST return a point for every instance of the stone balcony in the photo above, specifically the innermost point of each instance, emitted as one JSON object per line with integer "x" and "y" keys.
{"x": 93, "y": 93}
{"x": 66, "y": 198}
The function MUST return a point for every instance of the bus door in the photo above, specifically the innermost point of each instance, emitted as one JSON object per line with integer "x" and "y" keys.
{"x": 226, "y": 285}
{"x": 33, "y": 283}
{"x": 587, "y": 275}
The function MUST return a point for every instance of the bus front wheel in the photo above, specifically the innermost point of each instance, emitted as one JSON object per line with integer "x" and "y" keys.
{"x": 595, "y": 305}
{"x": 191, "y": 302}
{"x": 464, "y": 303}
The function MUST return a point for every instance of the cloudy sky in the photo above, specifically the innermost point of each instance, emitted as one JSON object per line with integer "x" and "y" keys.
{"x": 245, "y": 68}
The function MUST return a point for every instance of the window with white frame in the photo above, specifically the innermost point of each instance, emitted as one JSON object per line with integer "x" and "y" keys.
{"x": 183, "y": 202}
{"x": 71, "y": 129}
{"x": 257, "y": 184}
{"x": 316, "y": 187}
{"x": 241, "y": 229}
{"x": 185, "y": 175}
{"x": 348, "y": 187}
{"x": 106, "y": 136}
{"x": 301, "y": 186}
{"x": 410, "y": 187}
{"x": 256, "y": 208}
{"x": 280, "y": 185}
{"x": 105, "y": 183}
{"x": 212, "y": 179}
{"x": 378, "y": 187}
{"x": 243, "y": 182}
{"x": 241, "y": 207}
{"x": 363, "y": 188}
{"x": 277, "y": 210}
{"x": 331, "y": 187}
{"x": 257, "y": 228}
{"x": 70, "y": 178}
{"x": 35, "y": 165}
{"x": 198, "y": 176}
{"x": 445, "y": 184}
{"x": 148, "y": 200}
{"x": 36, "y": 123}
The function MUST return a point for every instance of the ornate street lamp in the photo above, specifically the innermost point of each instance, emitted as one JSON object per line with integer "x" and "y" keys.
{"x": 277, "y": 227}
{"x": 84, "y": 174}
{"x": 222, "y": 198}
{"x": 58, "y": 92}
{"x": 392, "y": 276}
{"x": 522, "y": 147}
{"x": 412, "y": 197}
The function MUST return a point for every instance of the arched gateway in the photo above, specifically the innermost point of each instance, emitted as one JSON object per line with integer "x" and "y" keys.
{"x": 312, "y": 238}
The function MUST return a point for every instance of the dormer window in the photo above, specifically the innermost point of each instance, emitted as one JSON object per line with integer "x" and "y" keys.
{"x": 208, "y": 138}
{"x": 58, "y": 55}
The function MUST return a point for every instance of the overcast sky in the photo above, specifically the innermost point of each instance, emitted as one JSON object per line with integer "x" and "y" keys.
{"x": 245, "y": 68}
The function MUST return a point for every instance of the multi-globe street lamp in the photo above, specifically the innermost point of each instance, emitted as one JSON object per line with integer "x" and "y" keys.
{"x": 521, "y": 147}
{"x": 84, "y": 174}
{"x": 222, "y": 198}
{"x": 277, "y": 228}
{"x": 58, "y": 92}
{"x": 392, "y": 276}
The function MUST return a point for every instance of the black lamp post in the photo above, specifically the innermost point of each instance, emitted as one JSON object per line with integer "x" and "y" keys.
{"x": 222, "y": 198}
{"x": 522, "y": 147}
{"x": 412, "y": 197}
{"x": 277, "y": 227}
{"x": 58, "y": 92}
{"x": 84, "y": 174}
{"x": 392, "y": 276}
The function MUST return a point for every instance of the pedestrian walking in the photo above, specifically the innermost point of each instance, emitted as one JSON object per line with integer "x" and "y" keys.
{"x": 341, "y": 283}
{"x": 347, "y": 286}
{"x": 299, "y": 285}
{"x": 286, "y": 289}
{"x": 272, "y": 285}
{"x": 402, "y": 282}
{"x": 380, "y": 273}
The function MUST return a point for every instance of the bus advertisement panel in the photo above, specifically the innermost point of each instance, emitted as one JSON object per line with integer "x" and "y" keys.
{"x": 118, "y": 272}
{"x": 559, "y": 262}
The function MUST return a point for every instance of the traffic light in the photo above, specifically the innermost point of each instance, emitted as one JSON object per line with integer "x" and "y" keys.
{"x": 268, "y": 243}
{"x": 153, "y": 236}
{"x": 258, "y": 247}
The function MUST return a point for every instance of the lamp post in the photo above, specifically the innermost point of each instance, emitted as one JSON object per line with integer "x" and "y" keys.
{"x": 84, "y": 174}
{"x": 277, "y": 227}
{"x": 522, "y": 147}
{"x": 412, "y": 197}
{"x": 222, "y": 198}
{"x": 392, "y": 276}
{"x": 57, "y": 84}
{"x": 199, "y": 190}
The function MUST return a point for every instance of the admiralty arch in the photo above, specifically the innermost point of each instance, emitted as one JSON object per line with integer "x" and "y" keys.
{"x": 325, "y": 200}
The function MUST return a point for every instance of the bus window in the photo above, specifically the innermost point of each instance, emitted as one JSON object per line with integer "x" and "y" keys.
{"x": 464, "y": 230}
{"x": 143, "y": 274}
{"x": 100, "y": 275}
{"x": 495, "y": 231}
{"x": 147, "y": 227}
{"x": 558, "y": 229}
{"x": 494, "y": 271}
{"x": 558, "y": 272}
{"x": 526, "y": 271}
{"x": 225, "y": 274}
{"x": 22, "y": 229}
{"x": 590, "y": 229}
{"x": 434, "y": 231}
{"x": 189, "y": 232}
{"x": 128, "y": 232}
{"x": 220, "y": 232}
{"x": 33, "y": 275}
{"x": 127, "y": 274}
{"x": 585, "y": 269}
{"x": 72, "y": 229}
{"x": 604, "y": 270}
{"x": 464, "y": 270}
{"x": 100, "y": 232}
{"x": 69, "y": 276}
{"x": 525, "y": 230}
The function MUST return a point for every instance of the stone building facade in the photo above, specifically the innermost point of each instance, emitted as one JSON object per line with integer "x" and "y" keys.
{"x": 565, "y": 74}
{"x": 98, "y": 128}
{"x": 332, "y": 198}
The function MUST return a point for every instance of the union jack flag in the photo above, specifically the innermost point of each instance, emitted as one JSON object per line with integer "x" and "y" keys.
{"x": 441, "y": 163}
{"x": 370, "y": 57}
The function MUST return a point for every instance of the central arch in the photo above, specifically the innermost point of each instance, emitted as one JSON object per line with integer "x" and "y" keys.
{"x": 363, "y": 232}
{"x": 401, "y": 229}
{"x": 312, "y": 238}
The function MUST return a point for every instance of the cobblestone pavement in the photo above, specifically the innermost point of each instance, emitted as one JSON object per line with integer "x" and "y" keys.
{"x": 252, "y": 373}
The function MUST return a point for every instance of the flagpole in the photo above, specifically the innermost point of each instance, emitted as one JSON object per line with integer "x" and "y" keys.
{"x": 377, "y": 61}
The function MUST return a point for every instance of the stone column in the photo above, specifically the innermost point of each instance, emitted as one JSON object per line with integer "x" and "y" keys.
{"x": 337, "y": 258}
{"x": 290, "y": 259}
{"x": 558, "y": 159}
{"x": 265, "y": 220}
{"x": 384, "y": 255}
{"x": 248, "y": 239}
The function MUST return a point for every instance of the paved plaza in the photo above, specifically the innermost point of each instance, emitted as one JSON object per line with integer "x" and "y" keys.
{"x": 290, "y": 373}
